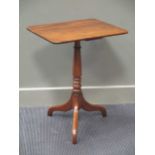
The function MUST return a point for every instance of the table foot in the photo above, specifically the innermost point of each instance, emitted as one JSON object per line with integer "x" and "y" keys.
{"x": 64, "y": 107}
{"x": 75, "y": 124}
{"x": 93, "y": 107}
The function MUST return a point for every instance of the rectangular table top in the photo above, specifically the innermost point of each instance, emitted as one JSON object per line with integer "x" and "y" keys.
{"x": 70, "y": 31}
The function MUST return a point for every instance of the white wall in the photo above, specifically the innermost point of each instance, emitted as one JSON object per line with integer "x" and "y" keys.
{"x": 106, "y": 62}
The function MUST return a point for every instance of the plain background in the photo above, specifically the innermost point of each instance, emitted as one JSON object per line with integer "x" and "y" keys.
{"x": 106, "y": 62}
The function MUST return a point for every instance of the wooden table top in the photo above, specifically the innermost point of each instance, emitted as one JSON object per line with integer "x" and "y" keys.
{"x": 76, "y": 30}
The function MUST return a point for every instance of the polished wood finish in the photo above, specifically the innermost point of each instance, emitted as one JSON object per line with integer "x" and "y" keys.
{"x": 76, "y": 30}
{"x": 77, "y": 100}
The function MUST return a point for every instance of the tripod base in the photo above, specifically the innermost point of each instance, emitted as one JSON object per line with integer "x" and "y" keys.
{"x": 76, "y": 102}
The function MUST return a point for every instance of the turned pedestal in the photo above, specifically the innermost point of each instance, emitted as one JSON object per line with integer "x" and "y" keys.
{"x": 76, "y": 31}
{"x": 76, "y": 100}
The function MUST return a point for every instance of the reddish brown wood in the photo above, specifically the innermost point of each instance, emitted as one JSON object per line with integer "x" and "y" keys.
{"x": 70, "y": 31}
{"x": 64, "y": 107}
{"x": 76, "y": 107}
{"x": 75, "y": 31}
{"x": 77, "y": 100}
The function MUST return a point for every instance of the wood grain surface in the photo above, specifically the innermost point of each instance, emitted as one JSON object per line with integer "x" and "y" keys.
{"x": 71, "y": 31}
{"x": 75, "y": 31}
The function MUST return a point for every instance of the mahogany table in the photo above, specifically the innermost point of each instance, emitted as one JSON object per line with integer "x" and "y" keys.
{"x": 76, "y": 31}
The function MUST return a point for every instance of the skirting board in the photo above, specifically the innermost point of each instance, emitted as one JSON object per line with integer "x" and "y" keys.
{"x": 96, "y": 95}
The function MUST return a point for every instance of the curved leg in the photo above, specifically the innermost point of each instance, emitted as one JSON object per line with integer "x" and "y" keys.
{"x": 90, "y": 107}
{"x": 75, "y": 125}
{"x": 64, "y": 107}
